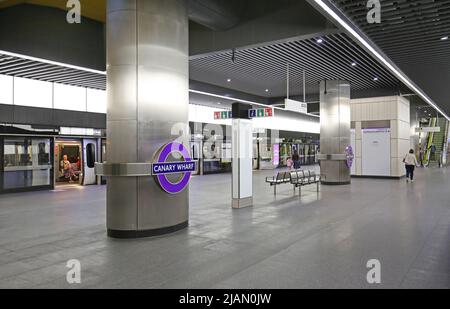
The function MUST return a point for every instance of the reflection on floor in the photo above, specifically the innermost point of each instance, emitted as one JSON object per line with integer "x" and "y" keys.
{"x": 316, "y": 241}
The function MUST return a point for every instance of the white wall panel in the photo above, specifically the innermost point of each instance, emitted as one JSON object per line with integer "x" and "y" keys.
{"x": 96, "y": 101}
{"x": 376, "y": 153}
{"x": 281, "y": 122}
{"x": 69, "y": 97}
{"x": 29, "y": 92}
{"x": 6, "y": 89}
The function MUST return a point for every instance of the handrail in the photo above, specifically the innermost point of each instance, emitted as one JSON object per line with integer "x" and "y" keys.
{"x": 426, "y": 159}
{"x": 444, "y": 158}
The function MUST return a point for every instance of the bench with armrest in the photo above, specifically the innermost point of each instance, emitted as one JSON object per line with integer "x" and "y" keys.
{"x": 303, "y": 178}
{"x": 279, "y": 179}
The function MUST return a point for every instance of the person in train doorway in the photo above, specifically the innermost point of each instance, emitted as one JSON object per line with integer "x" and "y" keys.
{"x": 296, "y": 159}
{"x": 65, "y": 164}
{"x": 410, "y": 161}
{"x": 66, "y": 168}
{"x": 78, "y": 163}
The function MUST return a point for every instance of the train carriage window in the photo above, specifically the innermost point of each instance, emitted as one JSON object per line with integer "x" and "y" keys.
{"x": 90, "y": 155}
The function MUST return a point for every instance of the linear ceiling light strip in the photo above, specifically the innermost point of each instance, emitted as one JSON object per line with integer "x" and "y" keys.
{"x": 375, "y": 53}
{"x": 51, "y": 62}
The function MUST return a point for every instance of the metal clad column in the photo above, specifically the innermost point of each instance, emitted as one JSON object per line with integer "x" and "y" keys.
{"x": 334, "y": 131}
{"x": 242, "y": 148}
{"x": 147, "y": 89}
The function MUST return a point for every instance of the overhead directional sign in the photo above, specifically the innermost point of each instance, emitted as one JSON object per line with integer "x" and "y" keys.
{"x": 252, "y": 113}
{"x": 260, "y": 112}
{"x": 428, "y": 129}
{"x": 223, "y": 115}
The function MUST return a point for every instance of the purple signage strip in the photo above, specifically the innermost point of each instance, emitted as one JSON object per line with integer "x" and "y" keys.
{"x": 173, "y": 167}
{"x": 349, "y": 155}
{"x": 276, "y": 154}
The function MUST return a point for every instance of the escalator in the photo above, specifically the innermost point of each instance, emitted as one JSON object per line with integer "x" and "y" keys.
{"x": 435, "y": 143}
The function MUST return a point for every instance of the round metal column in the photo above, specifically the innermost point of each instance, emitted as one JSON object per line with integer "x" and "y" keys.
{"x": 334, "y": 131}
{"x": 147, "y": 89}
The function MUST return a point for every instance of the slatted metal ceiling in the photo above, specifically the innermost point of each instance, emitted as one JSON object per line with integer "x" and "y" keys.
{"x": 261, "y": 68}
{"x": 410, "y": 31}
{"x": 254, "y": 69}
{"x": 34, "y": 69}
{"x": 410, "y": 34}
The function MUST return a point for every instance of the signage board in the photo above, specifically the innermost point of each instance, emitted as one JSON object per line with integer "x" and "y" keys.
{"x": 252, "y": 113}
{"x": 172, "y": 168}
{"x": 428, "y": 129}
{"x": 260, "y": 112}
{"x": 276, "y": 154}
{"x": 295, "y": 106}
{"x": 162, "y": 168}
{"x": 222, "y": 115}
{"x": 349, "y": 156}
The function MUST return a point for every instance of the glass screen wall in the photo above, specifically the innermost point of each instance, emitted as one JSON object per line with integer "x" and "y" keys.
{"x": 27, "y": 163}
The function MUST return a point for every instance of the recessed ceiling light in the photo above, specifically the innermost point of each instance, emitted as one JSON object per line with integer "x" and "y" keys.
{"x": 267, "y": 90}
{"x": 375, "y": 79}
{"x": 444, "y": 38}
{"x": 319, "y": 41}
{"x": 229, "y": 80}
{"x": 354, "y": 64}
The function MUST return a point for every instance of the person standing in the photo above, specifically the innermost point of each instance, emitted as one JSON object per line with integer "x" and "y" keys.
{"x": 432, "y": 152}
{"x": 296, "y": 159}
{"x": 410, "y": 164}
{"x": 421, "y": 154}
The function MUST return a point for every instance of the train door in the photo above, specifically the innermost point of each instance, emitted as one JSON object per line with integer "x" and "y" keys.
{"x": 89, "y": 159}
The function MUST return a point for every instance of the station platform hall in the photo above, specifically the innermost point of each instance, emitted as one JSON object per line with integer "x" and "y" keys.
{"x": 246, "y": 149}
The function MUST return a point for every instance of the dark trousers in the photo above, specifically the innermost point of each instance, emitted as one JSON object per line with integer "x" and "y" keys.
{"x": 296, "y": 165}
{"x": 410, "y": 171}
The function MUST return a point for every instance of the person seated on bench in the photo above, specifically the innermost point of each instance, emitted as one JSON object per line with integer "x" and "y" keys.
{"x": 68, "y": 169}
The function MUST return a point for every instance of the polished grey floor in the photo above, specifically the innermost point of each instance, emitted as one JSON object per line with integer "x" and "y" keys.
{"x": 316, "y": 241}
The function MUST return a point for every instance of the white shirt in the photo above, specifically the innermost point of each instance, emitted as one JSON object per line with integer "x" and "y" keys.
{"x": 410, "y": 159}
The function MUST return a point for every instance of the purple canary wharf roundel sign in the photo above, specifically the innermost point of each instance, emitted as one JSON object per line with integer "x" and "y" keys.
{"x": 349, "y": 155}
{"x": 162, "y": 168}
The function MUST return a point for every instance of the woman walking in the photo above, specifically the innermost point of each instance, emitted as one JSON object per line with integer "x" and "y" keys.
{"x": 410, "y": 161}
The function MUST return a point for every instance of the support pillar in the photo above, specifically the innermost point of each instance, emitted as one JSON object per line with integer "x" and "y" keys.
{"x": 147, "y": 95}
{"x": 334, "y": 131}
{"x": 242, "y": 156}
